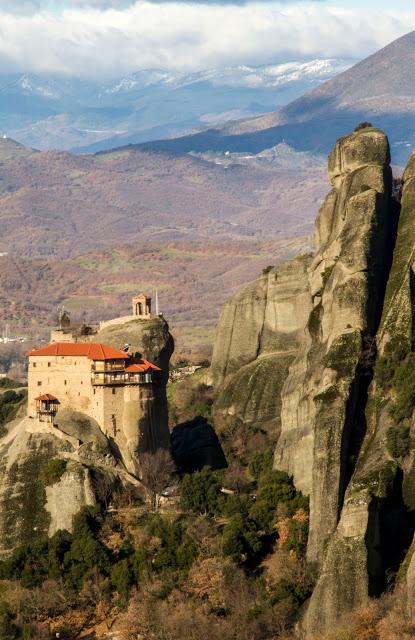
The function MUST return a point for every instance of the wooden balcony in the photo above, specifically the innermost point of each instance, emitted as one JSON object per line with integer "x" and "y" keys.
{"x": 120, "y": 378}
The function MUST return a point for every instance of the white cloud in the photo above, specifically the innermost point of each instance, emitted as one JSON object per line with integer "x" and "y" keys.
{"x": 88, "y": 41}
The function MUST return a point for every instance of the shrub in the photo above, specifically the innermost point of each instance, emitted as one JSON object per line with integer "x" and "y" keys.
{"x": 86, "y": 551}
{"x": 325, "y": 276}
{"x": 251, "y": 524}
{"x": 363, "y": 125}
{"x": 8, "y": 628}
{"x": 266, "y": 270}
{"x": 177, "y": 550}
{"x": 404, "y": 386}
{"x": 260, "y": 463}
{"x": 9, "y": 402}
{"x": 398, "y": 440}
{"x": 297, "y": 537}
{"x": 122, "y": 578}
{"x": 395, "y": 352}
{"x": 275, "y": 488}
{"x": 8, "y": 383}
{"x": 59, "y": 545}
{"x": 53, "y": 471}
{"x": 66, "y": 632}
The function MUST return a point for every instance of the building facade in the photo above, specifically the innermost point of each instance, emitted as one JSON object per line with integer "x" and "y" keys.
{"x": 108, "y": 385}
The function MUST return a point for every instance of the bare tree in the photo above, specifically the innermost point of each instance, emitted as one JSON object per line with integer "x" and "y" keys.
{"x": 103, "y": 485}
{"x": 157, "y": 470}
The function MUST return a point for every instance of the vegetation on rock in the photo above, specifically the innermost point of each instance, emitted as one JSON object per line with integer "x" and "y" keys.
{"x": 10, "y": 401}
{"x": 53, "y": 471}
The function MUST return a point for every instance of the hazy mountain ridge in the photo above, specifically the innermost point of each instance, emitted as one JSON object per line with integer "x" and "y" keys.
{"x": 59, "y": 204}
{"x": 315, "y": 120}
{"x": 47, "y": 111}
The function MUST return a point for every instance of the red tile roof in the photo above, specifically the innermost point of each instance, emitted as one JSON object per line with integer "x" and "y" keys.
{"x": 141, "y": 366}
{"x": 91, "y": 350}
{"x": 48, "y": 397}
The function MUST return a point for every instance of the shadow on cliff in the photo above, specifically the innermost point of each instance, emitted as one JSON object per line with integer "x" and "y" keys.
{"x": 355, "y": 427}
{"x": 388, "y": 537}
{"x": 195, "y": 445}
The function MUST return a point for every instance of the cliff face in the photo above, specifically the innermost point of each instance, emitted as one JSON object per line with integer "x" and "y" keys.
{"x": 346, "y": 390}
{"x": 324, "y": 396}
{"x": 146, "y": 421}
{"x": 26, "y": 511}
{"x": 259, "y": 331}
{"x": 375, "y": 524}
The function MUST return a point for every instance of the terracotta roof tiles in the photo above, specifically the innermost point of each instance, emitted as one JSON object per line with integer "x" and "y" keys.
{"x": 91, "y": 350}
{"x": 47, "y": 397}
{"x": 141, "y": 366}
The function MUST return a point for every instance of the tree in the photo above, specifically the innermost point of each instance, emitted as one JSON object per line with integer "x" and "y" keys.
{"x": 363, "y": 125}
{"x": 157, "y": 470}
{"x": 200, "y": 492}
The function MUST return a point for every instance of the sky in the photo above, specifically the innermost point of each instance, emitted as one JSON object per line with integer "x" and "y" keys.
{"x": 110, "y": 38}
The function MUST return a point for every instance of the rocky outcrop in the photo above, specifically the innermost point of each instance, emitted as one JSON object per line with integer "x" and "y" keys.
{"x": 336, "y": 394}
{"x": 259, "y": 331}
{"x": 146, "y": 422}
{"x": 151, "y": 338}
{"x": 32, "y": 505}
{"x": 323, "y": 398}
{"x": 382, "y": 484}
{"x": 65, "y": 498}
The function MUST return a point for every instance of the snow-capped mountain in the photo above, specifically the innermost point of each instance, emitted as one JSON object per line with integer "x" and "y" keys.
{"x": 267, "y": 76}
{"x": 46, "y": 111}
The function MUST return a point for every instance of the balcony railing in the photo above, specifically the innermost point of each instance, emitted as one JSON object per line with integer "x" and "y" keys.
{"x": 108, "y": 367}
{"x": 105, "y": 378}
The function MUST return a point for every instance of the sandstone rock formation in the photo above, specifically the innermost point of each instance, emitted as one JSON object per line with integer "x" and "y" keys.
{"x": 323, "y": 398}
{"x": 259, "y": 331}
{"x": 148, "y": 422}
{"x": 345, "y": 421}
{"x": 375, "y": 526}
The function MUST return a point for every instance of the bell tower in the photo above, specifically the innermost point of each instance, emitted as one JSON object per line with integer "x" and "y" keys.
{"x": 141, "y": 306}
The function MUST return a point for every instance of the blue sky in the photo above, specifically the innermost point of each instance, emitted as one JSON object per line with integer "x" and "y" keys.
{"x": 114, "y": 37}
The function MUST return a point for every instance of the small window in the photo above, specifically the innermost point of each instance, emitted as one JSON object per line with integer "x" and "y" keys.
{"x": 48, "y": 364}
{"x": 39, "y": 384}
{"x": 64, "y": 382}
{"x": 113, "y": 391}
{"x": 34, "y": 364}
{"x": 94, "y": 391}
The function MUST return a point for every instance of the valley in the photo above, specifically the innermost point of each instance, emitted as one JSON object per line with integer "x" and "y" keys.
{"x": 81, "y": 231}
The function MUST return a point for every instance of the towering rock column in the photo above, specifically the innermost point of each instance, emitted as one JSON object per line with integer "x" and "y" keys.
{"x": 324, "y": 396}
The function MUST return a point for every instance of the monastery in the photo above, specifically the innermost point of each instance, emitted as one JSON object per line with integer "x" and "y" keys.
{"x": 113, "y": 387}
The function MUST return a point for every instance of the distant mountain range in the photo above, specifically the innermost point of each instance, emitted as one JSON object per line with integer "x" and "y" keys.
{"x": 380, "y": 89}
{"x": 45, "y": 112}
